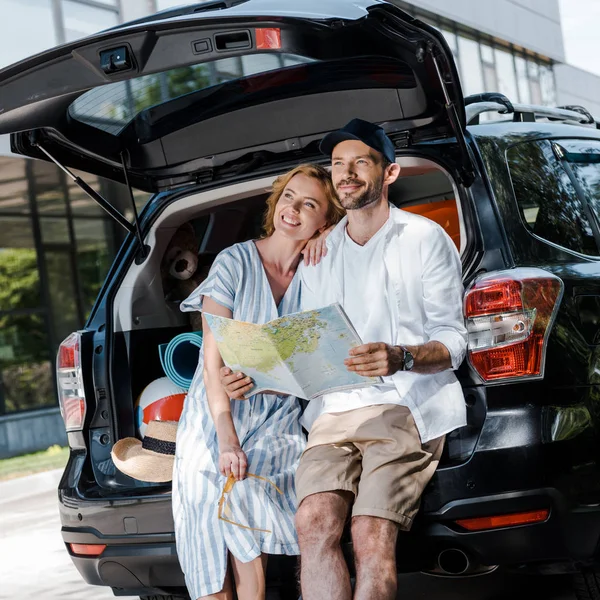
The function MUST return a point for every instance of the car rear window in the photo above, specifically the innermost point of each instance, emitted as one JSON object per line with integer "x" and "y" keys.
{"x": 111, "y": 107}
{"x": 547, "y": 199}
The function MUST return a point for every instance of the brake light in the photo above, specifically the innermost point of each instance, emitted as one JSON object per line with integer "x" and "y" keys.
{"x": 509, "y": 316}
{"x": 87, "y": 549}
{"x": 71, "y": 395}
{"x": 268, "y": 38}
{"x": 512, "y": 520}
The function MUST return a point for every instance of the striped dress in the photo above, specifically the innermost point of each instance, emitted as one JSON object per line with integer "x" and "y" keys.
{"x": 270, "y": 434}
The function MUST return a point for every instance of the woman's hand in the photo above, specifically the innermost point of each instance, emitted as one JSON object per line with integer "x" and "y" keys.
{"x": 232, "y": 459}
{"x": 316, "y": 248}
{"x": 235, "y": 384}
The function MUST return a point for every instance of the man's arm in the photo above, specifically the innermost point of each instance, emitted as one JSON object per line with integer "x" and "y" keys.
{"x": 380, "y": 360}
{"x": 444, "y": 322}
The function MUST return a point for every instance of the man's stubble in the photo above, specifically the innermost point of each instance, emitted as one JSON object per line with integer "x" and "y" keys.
{"x": 371, "y": 195}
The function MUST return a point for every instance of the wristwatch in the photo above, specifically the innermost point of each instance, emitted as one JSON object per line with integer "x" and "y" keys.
{"x": 408, "y": 360}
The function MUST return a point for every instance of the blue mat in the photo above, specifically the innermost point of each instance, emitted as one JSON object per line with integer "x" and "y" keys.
{"x": 179, "y": 358}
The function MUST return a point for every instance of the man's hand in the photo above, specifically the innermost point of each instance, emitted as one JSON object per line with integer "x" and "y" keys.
{"x": 236, "y": 384}
{"x": 375, "y": 360}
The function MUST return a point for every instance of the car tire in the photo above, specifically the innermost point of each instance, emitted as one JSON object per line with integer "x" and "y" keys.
{"x": 586, "y": 584}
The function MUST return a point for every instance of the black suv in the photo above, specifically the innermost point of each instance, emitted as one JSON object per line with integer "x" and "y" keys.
{"x": 203, "y": 106}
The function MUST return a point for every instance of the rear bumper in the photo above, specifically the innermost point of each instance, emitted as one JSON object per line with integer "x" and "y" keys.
{"x": 518, "y": 464}
{"x": 131, "y": 565}
{"x": 566, "y": 540}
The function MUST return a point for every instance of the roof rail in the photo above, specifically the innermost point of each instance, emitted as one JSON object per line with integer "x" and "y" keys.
{"x": 478, "y": 104}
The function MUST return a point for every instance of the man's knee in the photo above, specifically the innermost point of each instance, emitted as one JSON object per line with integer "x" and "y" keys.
{"x": 320, "y": 518}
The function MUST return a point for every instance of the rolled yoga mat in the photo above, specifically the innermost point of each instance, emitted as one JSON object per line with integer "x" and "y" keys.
{"x": 179, "y": 358}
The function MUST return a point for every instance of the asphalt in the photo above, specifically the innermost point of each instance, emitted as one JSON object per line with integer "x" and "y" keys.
{"x": 35, "y": 564}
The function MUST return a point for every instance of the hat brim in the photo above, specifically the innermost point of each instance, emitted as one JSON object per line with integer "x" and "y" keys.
{"x": 133, "y": 460}
{"x": 331, "y": 140}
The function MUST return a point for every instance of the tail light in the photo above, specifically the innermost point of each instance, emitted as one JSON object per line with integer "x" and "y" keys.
{"x": 511, "y": 520}
{"x": 509, "y": 317}
{"x": 87, "y": 549}
{"x": 71, "y": 395}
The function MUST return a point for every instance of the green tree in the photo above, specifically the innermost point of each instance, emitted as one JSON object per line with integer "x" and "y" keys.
{"x": 25, "y": 370}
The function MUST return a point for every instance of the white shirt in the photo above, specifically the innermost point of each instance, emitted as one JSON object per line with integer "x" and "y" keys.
{"x": 363, "y": 271}
{"x": 414, "y": 295}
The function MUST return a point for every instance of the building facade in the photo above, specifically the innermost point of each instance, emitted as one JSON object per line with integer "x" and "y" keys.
{"x": 56, "y": 244}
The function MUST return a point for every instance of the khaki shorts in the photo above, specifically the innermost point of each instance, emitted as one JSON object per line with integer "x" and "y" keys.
{"x": 374, "y": 452}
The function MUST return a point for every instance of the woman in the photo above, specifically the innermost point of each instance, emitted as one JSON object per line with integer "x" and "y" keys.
{"x": 233, "y": 480}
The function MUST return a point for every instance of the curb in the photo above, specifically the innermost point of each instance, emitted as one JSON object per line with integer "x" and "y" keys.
{"x": 31, "y": 485}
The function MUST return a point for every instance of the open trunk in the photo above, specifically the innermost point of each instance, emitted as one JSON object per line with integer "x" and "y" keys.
{"x": 160, "y": 104}
{"x": 143, "y": 316}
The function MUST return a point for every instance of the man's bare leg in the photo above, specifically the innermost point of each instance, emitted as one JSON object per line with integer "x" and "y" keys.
{"x": 374, "y": 544}
{"x": 320, "y": 523}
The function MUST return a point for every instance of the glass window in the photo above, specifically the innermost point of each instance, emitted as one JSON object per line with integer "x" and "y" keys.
{"x": 470, "y": 66}
{"x": 28, "y": 29}
{"x": 47, "y": 187}
{"x": 522, "y": 80}
{"x": 95, "y": 251}
{"x": 164, "y": 4}
{"x": 452, "y": 40}
{"x": 261, "y": 63}
{"x": 589, "y": 177}
{"x": 547, "y": 85}
{"x": 533, "y": 72}
{"x": 54, "y": 231}
{"x": 62, "y": 290}
{"x": 111, "y": 107}
{"x": 81, "y": 20}
{"x": 19, "y": 277}
{"x": 81, "y": 203}
{"x": 26, "y": 374}
{"x": 14, "y": 195}
{"x": 489, "y": 68}
{"x": 584, "y": 158}
{"x": 547, "y": 199}
{"x": 507, "y": 81}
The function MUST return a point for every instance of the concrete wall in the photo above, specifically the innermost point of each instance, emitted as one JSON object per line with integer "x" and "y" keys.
{"x": 31, "y": 431}
{"x": 135, "y": 9}
{"x": 575, "y": 86}
{"x": 533, "y": 24}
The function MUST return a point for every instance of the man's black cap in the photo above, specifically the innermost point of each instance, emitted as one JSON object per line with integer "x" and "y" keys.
{"x": 368, "y": 133}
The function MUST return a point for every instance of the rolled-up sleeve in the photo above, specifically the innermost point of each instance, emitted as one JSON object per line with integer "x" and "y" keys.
{"x": 443, "y": 294}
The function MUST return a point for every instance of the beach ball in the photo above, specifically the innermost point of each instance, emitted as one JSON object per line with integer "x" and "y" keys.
{"x": 160, "y": 400}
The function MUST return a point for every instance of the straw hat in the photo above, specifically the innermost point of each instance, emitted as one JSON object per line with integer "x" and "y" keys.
{"x": 150, "y": 460}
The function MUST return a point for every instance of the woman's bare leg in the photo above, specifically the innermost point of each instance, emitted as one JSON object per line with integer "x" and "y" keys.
{"x": 250, "y": 577}
{"x": 226, "y": 593}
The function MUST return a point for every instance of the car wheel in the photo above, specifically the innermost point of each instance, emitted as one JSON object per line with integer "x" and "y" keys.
{"x": 586, "y": 584}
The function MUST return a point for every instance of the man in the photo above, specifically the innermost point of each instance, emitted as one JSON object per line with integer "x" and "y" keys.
{"x": 373, "y": 450}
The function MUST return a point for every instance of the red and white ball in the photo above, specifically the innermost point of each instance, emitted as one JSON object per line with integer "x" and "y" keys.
{"x": 160, "y": 400}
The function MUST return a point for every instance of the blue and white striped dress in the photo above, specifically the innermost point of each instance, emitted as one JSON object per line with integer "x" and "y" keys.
{"x": 270, "y": 434}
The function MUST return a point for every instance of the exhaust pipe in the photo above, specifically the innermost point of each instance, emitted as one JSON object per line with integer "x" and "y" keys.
{"x": 453, "y": 561}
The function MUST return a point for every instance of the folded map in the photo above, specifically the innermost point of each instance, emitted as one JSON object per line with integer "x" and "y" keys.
{"x": 301, "y": 354}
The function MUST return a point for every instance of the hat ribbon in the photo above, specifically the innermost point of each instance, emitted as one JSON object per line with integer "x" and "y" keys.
{"x": 159, "y": 446}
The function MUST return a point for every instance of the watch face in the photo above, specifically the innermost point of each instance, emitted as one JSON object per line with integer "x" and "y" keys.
{"x": 409, "y": 361}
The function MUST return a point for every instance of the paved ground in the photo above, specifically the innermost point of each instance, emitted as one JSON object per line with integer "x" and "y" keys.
{"x": 34, "y": 563}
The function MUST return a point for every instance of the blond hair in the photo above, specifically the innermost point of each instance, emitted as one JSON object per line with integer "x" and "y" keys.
{"x": 335, "y": 211}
